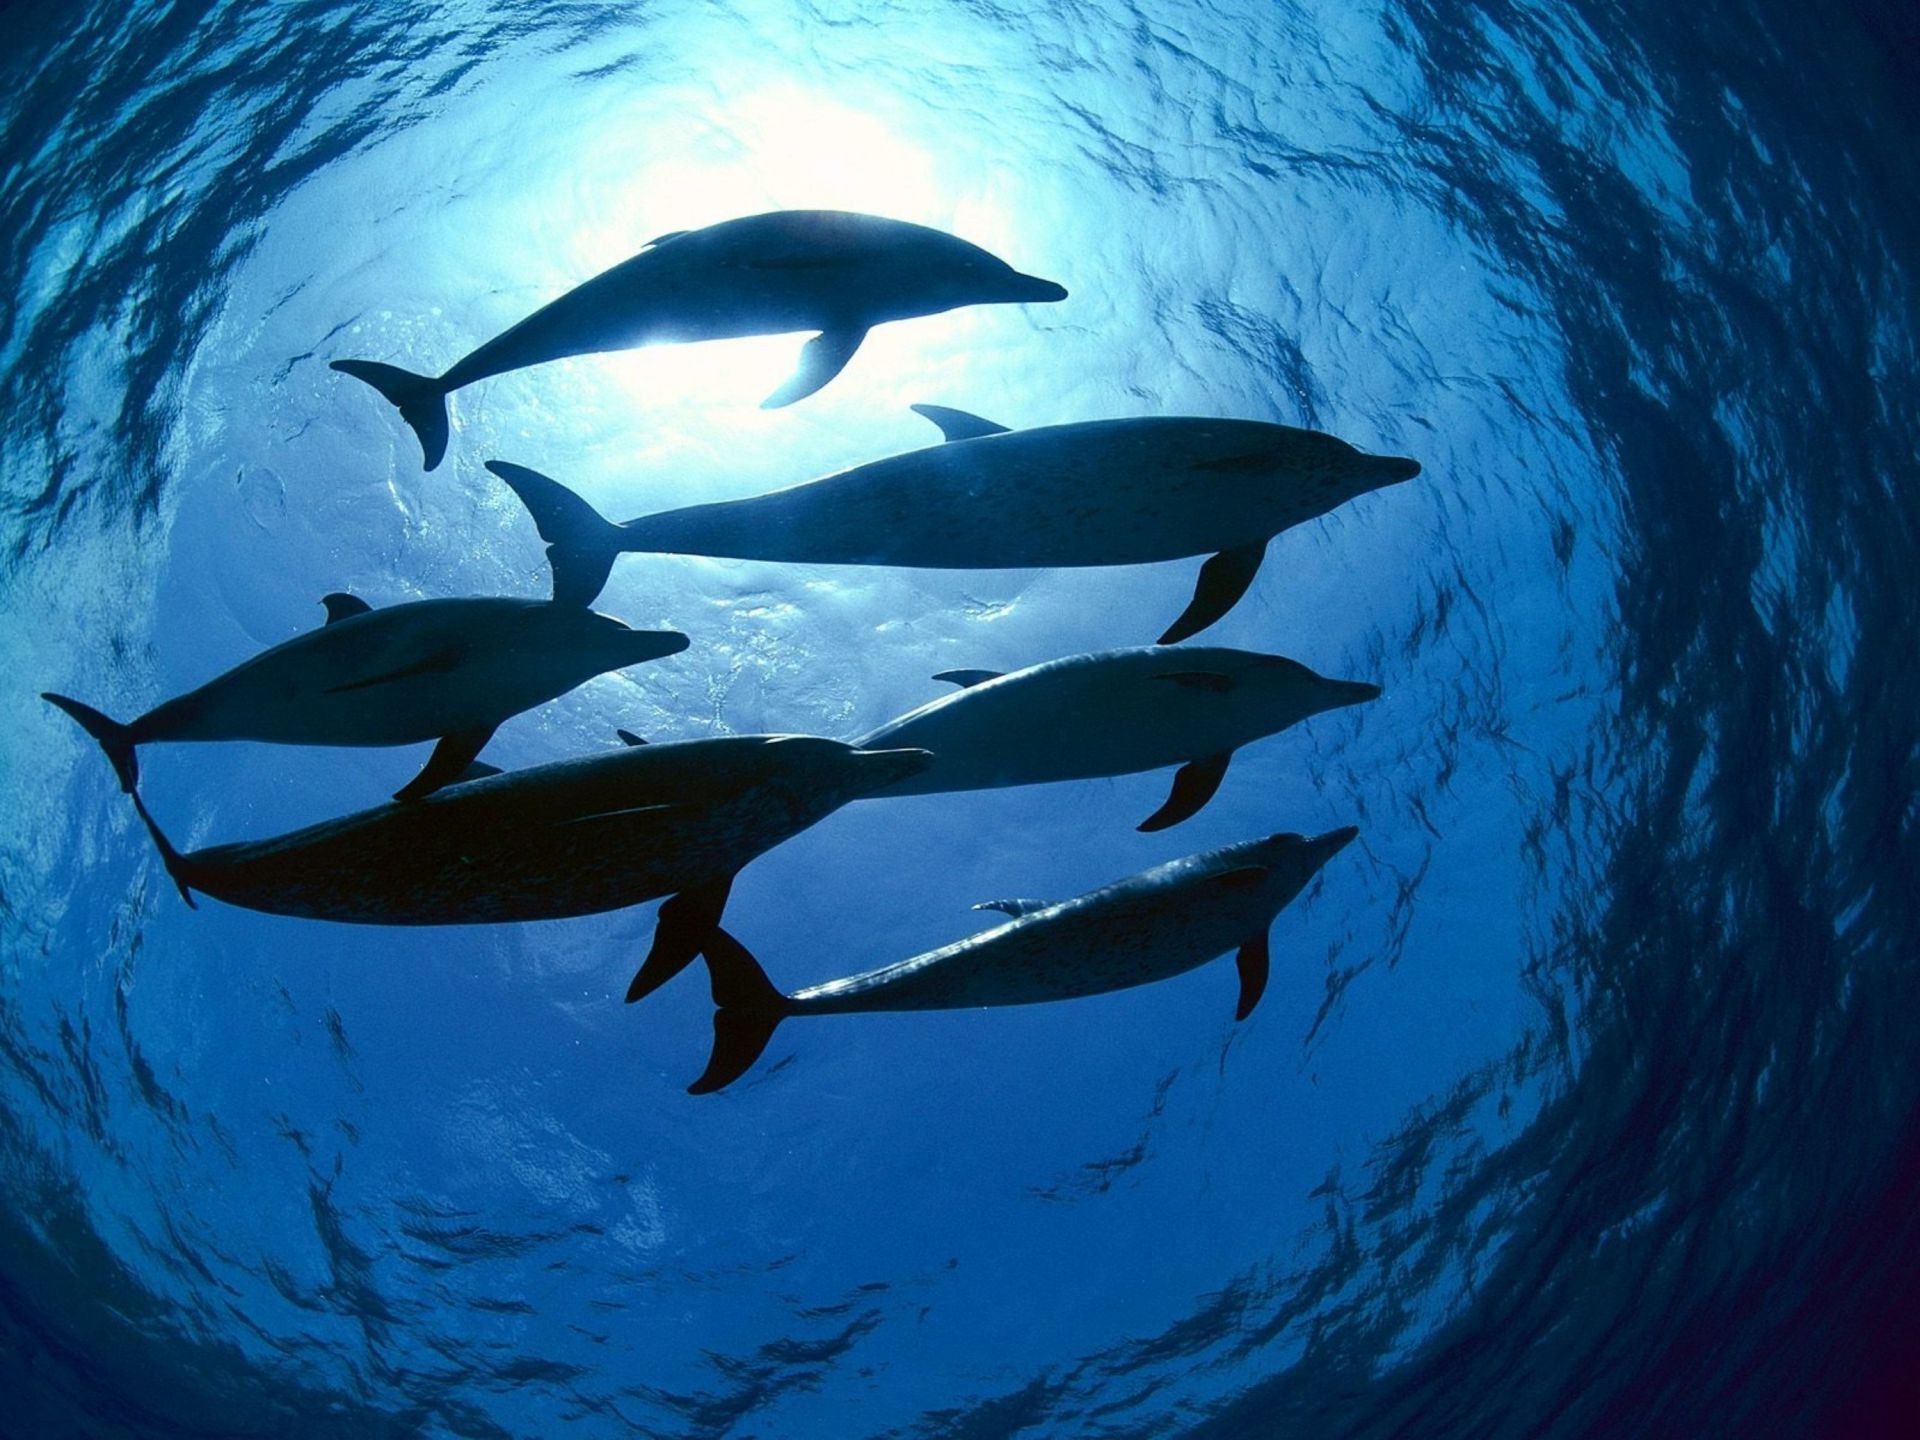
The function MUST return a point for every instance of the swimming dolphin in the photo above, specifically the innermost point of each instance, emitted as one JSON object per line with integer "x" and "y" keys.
{"x": 446, "y": 670}
{"x": 825, "y": 270}
{"x": 1151, "y": 926}
{"x": 575, "y": 837}
{"x": 1102, "y": 492}
{"x": 1115, "y": 712}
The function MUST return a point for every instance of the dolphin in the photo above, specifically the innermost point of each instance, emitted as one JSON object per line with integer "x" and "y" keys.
{"x": 1101, "y": 492}
{"x": 826, "y": 270}
{"x": 1115, "y": 712}
{"x": 575, "y": 837}
{"x": 1151, "y": 926}
{"x": 446, "y": 670}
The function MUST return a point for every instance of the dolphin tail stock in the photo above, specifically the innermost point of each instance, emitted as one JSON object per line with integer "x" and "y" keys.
{"x": 420, "y": 399}
{"x": 686, "y": 923}
{"x": 581, "y": 542}
{"x": 113, "y": 737}
{"x": 748, "y": 1009}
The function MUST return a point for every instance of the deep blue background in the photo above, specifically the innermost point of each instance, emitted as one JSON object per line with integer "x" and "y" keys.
{"x": 1583, "y": 1098}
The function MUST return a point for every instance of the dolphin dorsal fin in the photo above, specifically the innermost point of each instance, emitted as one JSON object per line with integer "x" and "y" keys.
{"x": 478, "y": 770}
{"x": 967, "y": 679}
{"x": 1015, "y": 907}
{"x": 662, "y": 239}
{"x": 958, "y": 424}
{"x": 627, "y": 737}
{"x": 342, "y": 606}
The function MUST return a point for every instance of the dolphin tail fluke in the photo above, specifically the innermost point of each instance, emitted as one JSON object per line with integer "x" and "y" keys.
{"x": 686, "y": 923}
{"x": 821, "y": 358}
{"x": 176, "y": 864}
{"x": 581, "y": 543}
{"x": 1223, "y": 580}
{"x": 421, "y": 400}
{"x": 113, "y": 737}
{"x": 749, "y": 1011}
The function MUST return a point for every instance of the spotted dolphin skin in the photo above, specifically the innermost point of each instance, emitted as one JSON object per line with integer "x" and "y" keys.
{"x": 1102, "y": 492}
{"x": 1152, "y": 926}
{"x": 446, "y": 670}
{"x": 1115, "y": 712}
{"x": 576, "y": 837}
{"x": 791, "y": 270}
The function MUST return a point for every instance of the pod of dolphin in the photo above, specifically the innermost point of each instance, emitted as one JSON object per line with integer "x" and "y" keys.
{"x": 463, "y": 843}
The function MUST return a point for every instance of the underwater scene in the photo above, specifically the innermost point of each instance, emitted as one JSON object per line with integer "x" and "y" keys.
{"x": 1114, "y": 718}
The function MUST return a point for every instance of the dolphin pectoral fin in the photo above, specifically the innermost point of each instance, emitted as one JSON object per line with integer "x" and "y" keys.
{"x": 581, "y": 543}
{"x": 1193, "y": 786}
{"x": 479, "y": 770}
{"x": 440, "y": 662}
{"x": 958, "y": 424}
{"x": 1254, "y": 961}
{"x": 1015, "y": 907}
{"x": 627, "y": 737}
{"x": 1209, "y": 680}
{"x": 1223, "y": 580}
{"x": 967, "y": 679}
{"x": 822, "y": 358}
{"x": 747, "y": 1011}
{"x": 342, "y": 606}
{"x": 450, "y": 761}
{"x": 685, "y": 924}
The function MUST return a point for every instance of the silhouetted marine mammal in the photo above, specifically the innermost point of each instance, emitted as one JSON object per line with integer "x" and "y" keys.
{"x": 1148, "y": 927}
{"x": 826, "y": 270}
{"x": 1114, "y": 712}
{"x": 572, "y": 838}
{"x": 446, "y": 670}
{"x": 1102, "y": 492}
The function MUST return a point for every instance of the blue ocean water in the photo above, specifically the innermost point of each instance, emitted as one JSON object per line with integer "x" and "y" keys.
{"x": 1582, "y": 1101}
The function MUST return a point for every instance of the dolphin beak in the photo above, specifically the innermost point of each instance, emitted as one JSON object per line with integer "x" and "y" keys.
{"x": 657, "y": 644}
{"x": 1396, "y": 469}
{"x": 881, "y": 768}
{"x": 1033, "y": 290}
{"x": 1333, "y": 842}
{"x": 1354, "y": 692}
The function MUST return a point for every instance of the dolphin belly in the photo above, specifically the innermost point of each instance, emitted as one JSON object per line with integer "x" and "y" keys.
{"x": 1085, "y": 948}
{"x": 424, "y": 864}
{"x": 1097, "y": 493}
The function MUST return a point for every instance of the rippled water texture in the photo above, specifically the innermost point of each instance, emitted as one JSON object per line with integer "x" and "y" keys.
{"x": 1582, "y": 1100}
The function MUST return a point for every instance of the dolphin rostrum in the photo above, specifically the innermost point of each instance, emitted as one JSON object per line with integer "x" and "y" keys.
{"x": 1151, "y": 926}
{"x": 1115, "y": 712}
{"x": 826, "y": 270}
{"x": 575, "y": 837}
{"x": 446, "y": 670}
{"x": 1102, "y": 492}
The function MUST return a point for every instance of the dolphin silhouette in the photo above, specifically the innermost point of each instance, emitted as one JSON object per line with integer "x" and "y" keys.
{"x": 1114, "y": 712}
{"x": 1151, "y": 926}
{"x": 1102, "y": 492}
{"x": 575, "y": 837}
{"x": 446, "y": 670}
{"x": 826, "y": 270}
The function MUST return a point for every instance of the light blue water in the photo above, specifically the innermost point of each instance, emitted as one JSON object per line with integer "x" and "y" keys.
{"x": 1581, "y": 1101}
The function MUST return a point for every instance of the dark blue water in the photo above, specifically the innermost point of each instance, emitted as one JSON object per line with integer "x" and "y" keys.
{"x": 1582, "y": 1101}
